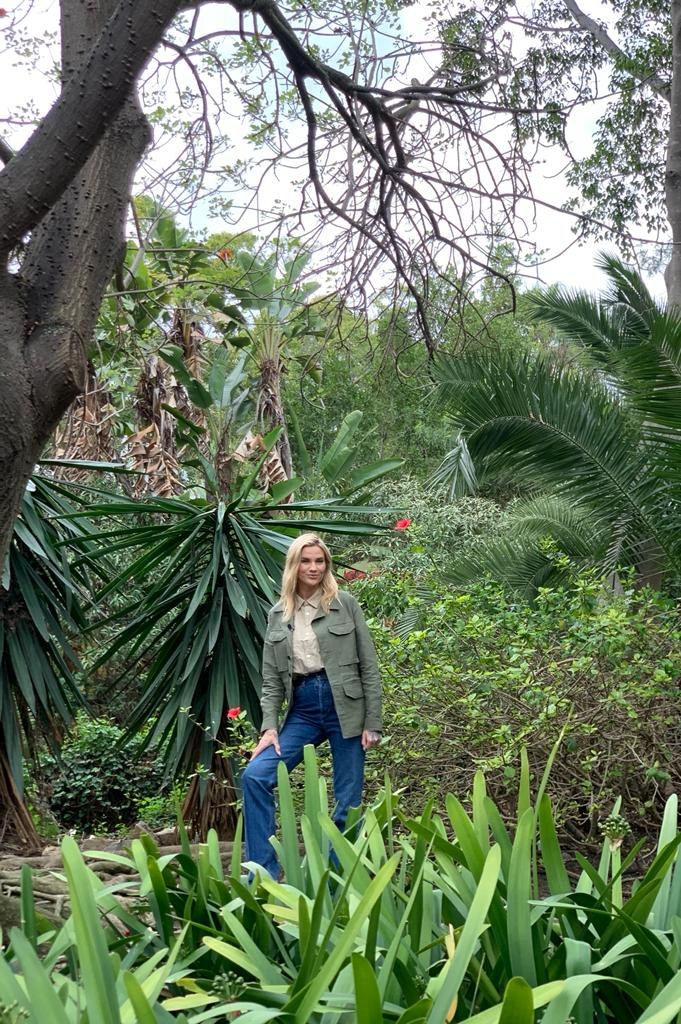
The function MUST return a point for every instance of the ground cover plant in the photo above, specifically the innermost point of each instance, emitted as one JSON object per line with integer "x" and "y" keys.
{"x": 429, "y": 918}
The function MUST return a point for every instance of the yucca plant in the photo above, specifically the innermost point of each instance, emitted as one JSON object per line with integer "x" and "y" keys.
{"x": 599, "y": 435}
{"x": 41, "y": 616}
{"x": 205, "y": 574}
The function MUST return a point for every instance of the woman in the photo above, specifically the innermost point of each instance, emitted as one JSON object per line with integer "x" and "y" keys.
{"x": 319, "y": 658}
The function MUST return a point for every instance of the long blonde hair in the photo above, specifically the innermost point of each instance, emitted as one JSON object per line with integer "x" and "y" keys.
{"x": 329, "y": 587}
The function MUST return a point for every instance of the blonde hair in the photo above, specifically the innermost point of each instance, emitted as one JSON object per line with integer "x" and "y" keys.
{"x": 329, "y": 587}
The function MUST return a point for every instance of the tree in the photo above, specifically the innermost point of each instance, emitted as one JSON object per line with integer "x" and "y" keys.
{"x": 373, "y": 152}
{"x": 545, "y": 60}
{"x": 600, "y": 436}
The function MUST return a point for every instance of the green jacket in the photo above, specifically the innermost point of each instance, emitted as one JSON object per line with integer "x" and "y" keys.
{"x": 349, "y": 658}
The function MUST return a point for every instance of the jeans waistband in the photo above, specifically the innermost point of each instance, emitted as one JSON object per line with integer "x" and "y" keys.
{"x": 299, "y": 680}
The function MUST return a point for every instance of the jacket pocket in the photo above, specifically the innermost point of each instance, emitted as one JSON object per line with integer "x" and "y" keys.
{"x": 344, "y": 642}
{"x": 278, "y": 639}
{"x": 353, "y": 689}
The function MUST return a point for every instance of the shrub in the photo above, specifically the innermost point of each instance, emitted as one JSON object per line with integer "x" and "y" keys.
{"x": 99, "y": 782}
{"x": 484, "y": 675}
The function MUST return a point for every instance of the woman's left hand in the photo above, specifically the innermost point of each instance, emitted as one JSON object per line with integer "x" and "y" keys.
{"x": 370, "y": 739}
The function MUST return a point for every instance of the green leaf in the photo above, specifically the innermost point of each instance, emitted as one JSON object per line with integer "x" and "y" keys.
{"x": 362, "y": 476}
{"x": 518, "y": 905}
{"x": 518, "y": 1005}
{"x": 28, "y": 919}
{"x": 198, "y": 394}
{"x": 144, "y": 1013}
{"x": 98, "y": 978}
{"x": 339, "y": 454}
{"x": 290, "y": 840}
{"x": 343, "y": 947}
{"x": 368, "y": 1007}
{"x": 43, "y": 1000}
{"x": 454, "y": 971}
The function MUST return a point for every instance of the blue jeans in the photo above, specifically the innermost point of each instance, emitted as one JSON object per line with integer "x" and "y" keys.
{"x": 312, "y": 719}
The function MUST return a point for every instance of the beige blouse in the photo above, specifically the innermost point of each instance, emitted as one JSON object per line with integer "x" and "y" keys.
{"x": 306, "y": 656}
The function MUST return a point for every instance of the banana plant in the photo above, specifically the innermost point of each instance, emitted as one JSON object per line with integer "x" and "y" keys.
{"x": 337, "y": 464}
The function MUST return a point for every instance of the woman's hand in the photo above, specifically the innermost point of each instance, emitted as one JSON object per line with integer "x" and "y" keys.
{"x": 270, "y": 738}
{"x": 370, "y": 739}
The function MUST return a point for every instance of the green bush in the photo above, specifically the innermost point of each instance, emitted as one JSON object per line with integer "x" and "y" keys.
{"x": 484, "y": 675}
{"x": 99, "y": 783}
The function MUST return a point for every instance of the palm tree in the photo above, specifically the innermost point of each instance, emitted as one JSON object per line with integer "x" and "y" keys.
{"x": 598, "y": 435}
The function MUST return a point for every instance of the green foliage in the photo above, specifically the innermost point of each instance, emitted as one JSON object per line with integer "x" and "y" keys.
{"x": 160, "y": 809}
{"x": 476, "y": 676}
{"x": 337, "y": 465}
{"x": 601, "y": 434}
{"x": 424, "y": 919}
{"x": 41, "y": 611}
{"x": 439, "y": 530}
{"x": 99, "y": 781}
{"x": 384, "y": 374}
{"x": 207, "y": 575}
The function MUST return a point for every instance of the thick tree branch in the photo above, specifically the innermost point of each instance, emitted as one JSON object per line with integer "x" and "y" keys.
{"x": 601, "y": 36}
{"x": 6, "y": 152}
{"x": 38, "y": 174}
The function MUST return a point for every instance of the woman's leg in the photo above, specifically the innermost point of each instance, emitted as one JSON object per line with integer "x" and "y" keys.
{"x": 348, "y": 766}
{"x": 259, "y": 779}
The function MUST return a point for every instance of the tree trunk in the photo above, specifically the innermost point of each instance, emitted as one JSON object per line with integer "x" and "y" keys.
{"x": 673, "y": 170}
{"x": 211, "y": 803}
{"x": 50, "y": 305}
{"x": 69, "y": 185}
{"x": 16, "y": 824}
{"x": 270, "y": 409}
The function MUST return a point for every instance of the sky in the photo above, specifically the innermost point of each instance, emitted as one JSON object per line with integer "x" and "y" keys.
{"x": 570, "y": 263}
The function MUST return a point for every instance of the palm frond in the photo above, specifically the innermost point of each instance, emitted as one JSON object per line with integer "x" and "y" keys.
{"x": 628, "y": 290}
{"x": 456, "y": 473}
{"x": 575, "y": 528}
{"x": 518, "y": 563}
{"x": 580, "y": 319}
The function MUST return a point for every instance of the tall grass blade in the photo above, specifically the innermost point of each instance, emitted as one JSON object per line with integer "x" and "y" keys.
{"x": 519, "y": 926}
{"x": 453, "y": 973}
{"x": 97, "y": 973}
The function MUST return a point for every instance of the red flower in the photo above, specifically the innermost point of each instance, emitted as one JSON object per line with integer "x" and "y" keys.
{"x": 354, "y": 574}
{"x": 402, "y": 524}
{"x": 225, "y": 254}
{"x": 233, "y": 712}
{"x": 3, "y": 12}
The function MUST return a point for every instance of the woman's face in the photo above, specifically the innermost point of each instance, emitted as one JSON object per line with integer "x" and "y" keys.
{"x": 312, "y": 567}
